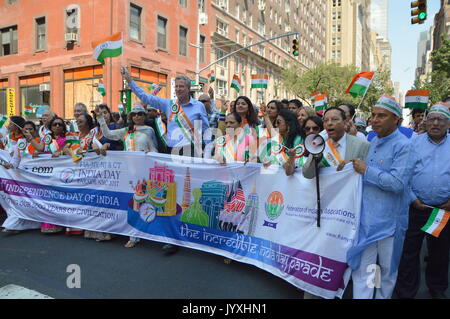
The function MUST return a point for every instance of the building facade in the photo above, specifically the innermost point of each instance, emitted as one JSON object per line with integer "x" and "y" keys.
{"x": 46, "y": 52}
{"x": 235, "y": 24}
{"x": 441, "y": 24}
{"x": 348, "y": 33}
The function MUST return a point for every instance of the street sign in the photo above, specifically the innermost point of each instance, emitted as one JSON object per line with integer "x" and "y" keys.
{"x": 11, "y": 102}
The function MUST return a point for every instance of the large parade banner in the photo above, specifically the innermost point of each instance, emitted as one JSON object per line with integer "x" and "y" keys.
{"x": 244, "y": 212}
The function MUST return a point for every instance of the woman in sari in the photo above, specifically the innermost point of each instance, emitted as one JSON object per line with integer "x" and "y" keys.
{"x": 136, "y": 137}
{"x": 14, "y": 224}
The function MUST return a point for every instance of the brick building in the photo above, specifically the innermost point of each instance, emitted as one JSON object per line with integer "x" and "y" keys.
{"x": 46, "y": 52}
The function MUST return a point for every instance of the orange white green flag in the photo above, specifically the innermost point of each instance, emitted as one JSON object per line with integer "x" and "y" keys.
{"x": 260, "y": 81}
{"x": 108, "y": 47}
{"x": 314, "y": 94}
{"x": 236, "y": 83}
{"x": 101, "y": 88}
{"x": 360, "y": 84}
{"x": 417, "y": 99}
{"x": 437, "y": 221}
{"x": 320, "y": 102}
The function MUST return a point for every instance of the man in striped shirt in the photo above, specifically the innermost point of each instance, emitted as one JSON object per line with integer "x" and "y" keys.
{"x": 429, "y": 188}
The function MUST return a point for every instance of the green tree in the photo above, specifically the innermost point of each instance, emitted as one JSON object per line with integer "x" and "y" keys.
{"x": 438, "y": 81}
{"x": 333, "y": 80}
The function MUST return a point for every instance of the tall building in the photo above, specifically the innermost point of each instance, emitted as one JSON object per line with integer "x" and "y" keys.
{"x": 379, "y": 18}
{"x": 46, "y": 52}
{"x": 441, "y": 24}
{"x": 235, "y": 24}
{"x": 424, "y": 48}
{"x": 348, "y": 33}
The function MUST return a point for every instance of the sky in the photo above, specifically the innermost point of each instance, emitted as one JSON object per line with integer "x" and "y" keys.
{"x": 403, "y": 37}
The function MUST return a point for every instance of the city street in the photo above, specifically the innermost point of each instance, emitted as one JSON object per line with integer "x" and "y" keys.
{"x": 108, "y": 270}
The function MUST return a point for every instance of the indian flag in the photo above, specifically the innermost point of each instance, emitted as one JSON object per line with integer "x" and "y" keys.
{"x": 320, "y": 102}
{"x": 360, "y": 83}
{"x": 3, "y": 119}
{"x": 236, "y": 83}
{"x": 211, "y": 77}
{"x": 121, "y": 109}
{"x": 101, "y": 88}
{"x": 437, "y": 221}
{"x": 109, "y": 47}
{"x": 260, "y": 81}
{"x": 417, "y": 99}
{"x": 53, "y": 147}
{"x": 314, "y": 94}
{"x": 72, "y": 139}
{"x": 28, "y": 110}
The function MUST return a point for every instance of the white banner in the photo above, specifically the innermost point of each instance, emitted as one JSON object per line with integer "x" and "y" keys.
{"x": 243, "y": 212}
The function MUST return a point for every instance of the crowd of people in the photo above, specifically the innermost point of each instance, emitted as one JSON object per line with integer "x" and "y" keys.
{"x": 405, "y": 171}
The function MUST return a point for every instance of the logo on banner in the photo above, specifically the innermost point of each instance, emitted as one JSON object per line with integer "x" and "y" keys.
{"x": 67, "y": 176}
{"x": 274, "y": 207}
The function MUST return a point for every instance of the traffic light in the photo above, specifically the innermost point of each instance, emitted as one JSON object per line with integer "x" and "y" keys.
{"x": 295, "y": 47}
{"x": 419, "y": 12}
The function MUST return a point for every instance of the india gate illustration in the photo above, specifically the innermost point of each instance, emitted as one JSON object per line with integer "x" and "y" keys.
{"x": 159, "y": 189}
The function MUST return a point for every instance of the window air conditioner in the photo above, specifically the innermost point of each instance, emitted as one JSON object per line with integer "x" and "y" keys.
{"x": 44, "y": 87}
{"x": 71, "y": 37}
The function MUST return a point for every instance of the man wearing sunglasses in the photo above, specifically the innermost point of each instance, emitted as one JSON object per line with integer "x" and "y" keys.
{"x": 341, "y": 147}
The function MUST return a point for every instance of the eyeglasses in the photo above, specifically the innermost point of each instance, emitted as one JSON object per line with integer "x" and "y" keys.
{"x": 312, "y": 128}
{"x": 139, "y": 113}
{"x": 440, "y": 120}
{"x": 58, "y": 124}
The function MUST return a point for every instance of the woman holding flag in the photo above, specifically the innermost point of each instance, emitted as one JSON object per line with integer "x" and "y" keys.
{"x": 287, "y": 147}
{"x": 136, "y": 137}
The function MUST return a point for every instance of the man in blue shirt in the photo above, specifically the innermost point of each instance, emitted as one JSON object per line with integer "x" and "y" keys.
{"x": 429, "y": 188}
{"x": 383, "y": 219}
{"x": 187, "y": 119}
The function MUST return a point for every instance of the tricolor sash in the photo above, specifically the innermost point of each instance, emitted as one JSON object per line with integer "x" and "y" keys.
{"x": 177, "y": 114}
{"x": 161, "y": 129}
{"x": 331, "y": 156}
{"x": 279, "y": 151}
{"x": 129, "y": 144}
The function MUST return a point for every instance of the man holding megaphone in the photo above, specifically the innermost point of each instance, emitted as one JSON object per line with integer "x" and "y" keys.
{"x": 340, "y": 147}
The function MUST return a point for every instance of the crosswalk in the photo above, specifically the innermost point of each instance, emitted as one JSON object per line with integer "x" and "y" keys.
{"x": 19, "y": 292}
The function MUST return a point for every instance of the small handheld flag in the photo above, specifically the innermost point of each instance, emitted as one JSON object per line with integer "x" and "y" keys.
{"x": 101, "y": 88}
{"x": 437, "y": 221}
{"x": 108, "y": 47}
{"x": 417, "y": 99}
{"x": 236, "y": 83}
{"x": 260, "y": 81}
{"x": 3, "y": 119}
{"x": 211, "y": 77}
{"x": 360, "y": 84}
{"x": 28, "y": 110}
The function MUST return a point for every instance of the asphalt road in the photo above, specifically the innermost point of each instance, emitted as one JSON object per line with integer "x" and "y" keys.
{"x": 108, "y": 270}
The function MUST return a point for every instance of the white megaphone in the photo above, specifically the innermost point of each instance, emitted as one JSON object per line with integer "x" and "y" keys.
{"x": 315, "y": 144}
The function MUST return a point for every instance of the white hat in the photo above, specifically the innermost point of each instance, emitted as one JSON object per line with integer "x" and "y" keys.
{"x": 440, "y": 108}
{"x": 138, "y": 108}
{"x": 390, "y": 104}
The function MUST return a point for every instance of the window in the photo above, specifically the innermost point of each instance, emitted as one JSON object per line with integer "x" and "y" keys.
{"x": 222, "y": 28}
{"x": 220, "y": 54}
{"x": 222, "y": 87}
{"x": 3, "y": 86}
{"x": 162, "y": 32}
{"x": 40, "y": 34}
{"x": 183, "y": 3}
{"x": 135, "y": 22}
{"x": 202, "y": 48}
{"x": 8, "y": 41}
{"x": 30, "y": 94}
{"x": 182, "y": 41}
